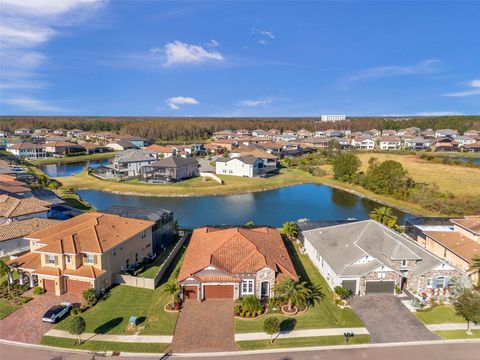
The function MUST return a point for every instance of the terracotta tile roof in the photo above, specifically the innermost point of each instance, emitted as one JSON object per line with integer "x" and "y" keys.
{"x": 245, "y": 150}
{"x": 48, "y": 270}
{"x": 11, "y": 207}
{"x": 87, "y": 271}
{"x": 14, "y": 187}
{"x": 29, "y": 261}
{"x": 457, "y": 243}
{"x": 159, "y": 148}
{"x": 236, "y": 250}
{"x": 471, "y": 223}
{"x": 218, "y": 278}
{"x": 22, "y": 228}
{"x": 89, "y": 232}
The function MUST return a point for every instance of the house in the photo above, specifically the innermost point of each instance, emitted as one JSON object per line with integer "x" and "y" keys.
{"x": 93, "y": 148}
{"x": 12, "y": 235}
{"x": 224, "y": 135}
{"x": 129, "y": 162}
{"x": 162, "y": 230}
{"x": 75, "y": 133}
{"x": 445, "y": 144}
{"x": 442, "y": 133}
{"x": 284, "y": 137}
{"x": 135, "y": 140}
{"x": 470, "y": 133}
{"x": 304, "y": 133}
{"x": 457, "y": 241}
{"x": 3, "y": 134}
{"x": 242, "y": 132}
{"x": 273, "y": 132}
{"x": 245, "y": 166}
{"x": 235, "y": 262}
{"x": 256, "y": 151}
{"x": 27, "y": 150}
{"x": 62, "y": 148}
{"x": 333, "y": 117}
{"x": 60, "y": 131}
{"x": 388, "y": 132}
{"x": 13, "y": 209}
{"x": 260, "y": 133}
{"x": 14, "y": 188}
{"x": 475, "y": 147}
{"x": 162, "y": 150}
{"x": 373, "y": 132}
{"x": 170, "y": 169}
{"x": 87, "y": 251}
{"x": 369, "y": 258}
{"x": 121, "y": 145}
{"x": 390, "y": 143}
{"x": 364, "y": 143}
{"x": 465, "y": 140}
{"x": 23, "y": 132}
{"x": 418, "y": 143}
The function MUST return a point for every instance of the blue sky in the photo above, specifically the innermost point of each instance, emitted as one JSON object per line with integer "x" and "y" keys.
{"x": 166, "y": 58}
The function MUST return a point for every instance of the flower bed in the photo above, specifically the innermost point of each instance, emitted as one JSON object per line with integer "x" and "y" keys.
{"x": 286, "y": 311}
{"x": 240, "y": 313}
{"x": 172, "y": 309}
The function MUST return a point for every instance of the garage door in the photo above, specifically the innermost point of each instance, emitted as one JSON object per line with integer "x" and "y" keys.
{"x": 77, "y": 286}
{"x": 350, "y": 285}
{"x": 49, "y": 285}
{"x": 190, "y": 293}
{"x": 380, "y": 287}
{"x": 218, "y": 292}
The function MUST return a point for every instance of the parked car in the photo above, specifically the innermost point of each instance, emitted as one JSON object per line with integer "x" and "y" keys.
{"x": 56, "y": 312}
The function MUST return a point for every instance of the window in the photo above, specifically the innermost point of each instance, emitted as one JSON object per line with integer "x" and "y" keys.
{"x": 440, "y": 282}
{"x": 144, "y": 234}
{"x": 247, "y": 286}
{"x": 51, "y": 259}
{"x": 68, "y": 259}
{"x": 404, "y": 263}
{"x": 89, "y": 258}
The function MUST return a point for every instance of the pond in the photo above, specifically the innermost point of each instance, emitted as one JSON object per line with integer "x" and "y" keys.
{"x": 273, "y": 208}
{"x": 60, "y": 170}
{"x": 467, "y": 159}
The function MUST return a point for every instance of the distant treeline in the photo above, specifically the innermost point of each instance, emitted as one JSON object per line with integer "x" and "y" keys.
{"x": 188, "y": 128}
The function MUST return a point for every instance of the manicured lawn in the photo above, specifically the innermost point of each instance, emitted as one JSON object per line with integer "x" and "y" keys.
{"x": 73, "y": 199}
{"x": 440, "y": 315}
{"x": 72, "y": 159}
{"x": 6, "y": 308}
{"x": 300, "y": 342}
{"x": 103, "y": 345}
{"x": 458, "y": 334}
{"x": 150, "y": 270}
{"x": 110, "y": 315}
{"x": 323, "y": 315}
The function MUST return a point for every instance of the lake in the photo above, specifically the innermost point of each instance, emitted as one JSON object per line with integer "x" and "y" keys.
{"x": 467, "y": 159}
{"x": 60, "y": 170}
{"x": 315, "y": 202}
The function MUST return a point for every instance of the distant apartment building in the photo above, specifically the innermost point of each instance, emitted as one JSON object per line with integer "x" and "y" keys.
{"x": 333, "y": 117}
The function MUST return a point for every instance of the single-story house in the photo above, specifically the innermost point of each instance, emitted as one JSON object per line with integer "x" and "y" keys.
{"x": 369, "y": 258}
{"x": 87, "y": 251}
{"x": 13, "y": 209}
{"x": 235, "y": 262}
{"x": 163, "y": 151}
{"x": 170, "y": 169}
{"x": 121, "y": 145}
{"x": 135, "y": 140}
{"x": 62, "y": 148}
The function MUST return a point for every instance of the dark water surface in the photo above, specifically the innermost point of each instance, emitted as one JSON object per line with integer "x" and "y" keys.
{"x": 315, "y": 202}
{"x": 59, "y": 170}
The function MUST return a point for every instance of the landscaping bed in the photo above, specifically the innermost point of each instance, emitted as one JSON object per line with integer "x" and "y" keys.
{"x": 9, "y": 302}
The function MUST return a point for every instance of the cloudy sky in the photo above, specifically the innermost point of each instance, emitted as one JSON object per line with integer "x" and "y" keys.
{"x": 164, "y": 58}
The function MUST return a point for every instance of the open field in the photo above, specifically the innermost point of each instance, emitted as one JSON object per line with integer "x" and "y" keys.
{"x": 72, "y": 159}
{"x": 439, "y": 315}
{"x": 324, "y": 314}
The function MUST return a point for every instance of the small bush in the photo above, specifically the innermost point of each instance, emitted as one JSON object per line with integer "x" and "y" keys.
{"x": 84, "y": 307}
{"x": 37, "y": 290}
{"x": 90, "y": 296}
{"x": 342, "y": 292}
{"x": 75, "y": 311}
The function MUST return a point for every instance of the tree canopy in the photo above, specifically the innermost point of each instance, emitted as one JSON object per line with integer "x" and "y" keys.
{"x": 345, "y": 166}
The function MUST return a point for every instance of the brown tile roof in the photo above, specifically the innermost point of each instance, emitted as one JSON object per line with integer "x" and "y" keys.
{"x": 29, "y": 261}
{"x": 22, "y": 228}
{"x": 245, "y": 150}
{"x": 471, "y": 223}
{"x": 236, "y": 250}
{"x": 48, "y": 270}
{"x": 13, "y": 187}
{"x": 457, "y": 243}
{"x": 159, "y": 148}
{"x": 218, "y": 278}
{"x": 11, "y": 207}
{"x": 87, "y": 271}
{"x": 89, "y": 232}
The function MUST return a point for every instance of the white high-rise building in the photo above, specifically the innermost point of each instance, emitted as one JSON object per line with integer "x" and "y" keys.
{"x": 334, "y": 117}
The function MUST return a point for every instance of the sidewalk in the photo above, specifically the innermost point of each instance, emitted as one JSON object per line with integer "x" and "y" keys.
{"x": 112, "y": 338}
{"x": 452, "y": 326}
{"x": 301, "y": 333}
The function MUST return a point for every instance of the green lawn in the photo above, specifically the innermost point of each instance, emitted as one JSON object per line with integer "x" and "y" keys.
{"x": 457, "y": 334}
{"x": 111, "y": 314}
{"x": 72, "y": 159}
{"x": 301, "y": 342}
{"x": 439, "y": 315}
{"x": 6, "y": 308}
{"x": 323, "y": 315}
{"x": 103, "y": 345}
{"x": 150, "y": 270}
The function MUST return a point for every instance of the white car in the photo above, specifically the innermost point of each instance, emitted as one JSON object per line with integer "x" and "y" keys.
{"x": 56, "y": 312}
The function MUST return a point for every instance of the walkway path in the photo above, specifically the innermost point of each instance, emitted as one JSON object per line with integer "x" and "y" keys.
{"x": 452, "y": 326}
{"x": 301, "y": 333}
{"x": 114, "y": 338}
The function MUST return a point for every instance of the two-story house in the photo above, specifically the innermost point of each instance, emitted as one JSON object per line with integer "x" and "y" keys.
{"x": 170, "y": 169}
{"x": 129, "y": 162}
{"x": 235, "y": 262}
{"x": 389, "y": 143}
{"x": 84, "y": 252}
{"x": 63, "y": 148}
{"x": 27, "y": 150}
{"x": 245, "y": 166}
{"x": 13, "y": 209}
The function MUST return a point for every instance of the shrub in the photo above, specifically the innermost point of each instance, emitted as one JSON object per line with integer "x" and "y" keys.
{"x": 398, "y": 291}
{"x": 84, "y": 307}
{"x": 271, "y": 326}
{"x": 251, "y": 304}
{"x": 342, "y": 292}
{"x": 75, "y": 311}
{"x": 237, "y": 309}
{"x": 37, "y": 290}
{"x": 90, "y": 296}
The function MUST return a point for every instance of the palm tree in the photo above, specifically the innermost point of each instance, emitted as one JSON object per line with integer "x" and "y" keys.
{"x": 290, "y": 229}
{"x": 5, "y": 271}
{"x": 476, "y": 266}
{"x": 384, "y": 215}
{"x": 293, "y": 292}
{"x": 172, "y": 288}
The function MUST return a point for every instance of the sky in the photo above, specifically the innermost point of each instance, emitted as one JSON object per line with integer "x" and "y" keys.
{"x": 248, "y": 58}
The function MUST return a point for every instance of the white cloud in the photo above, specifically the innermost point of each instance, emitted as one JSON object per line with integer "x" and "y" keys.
{"x": 438, "y": 113}
{"x": 256, "y": 102}
{"x": 178, "y": 52}
{"x": 263, "y": 36}
{"x": 29, "y": 104}
{"x": 474, "y": 86}
{"x": 422, "y": 68}
{"x": 213, "y": 43}
{"x": 44, "y": 8}
{"x": 175, "y": 102}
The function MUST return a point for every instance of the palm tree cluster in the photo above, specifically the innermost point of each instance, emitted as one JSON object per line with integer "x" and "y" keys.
{"x": 385, "y": 216}
{"x": 298, "y": 293}
{"x": 290, "y": 229}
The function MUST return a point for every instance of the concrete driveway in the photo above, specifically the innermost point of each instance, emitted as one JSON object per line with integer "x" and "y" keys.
{"x": 204, "y": 327}
{"x": 26, "y": 325}
{"x": 388, "y": 320}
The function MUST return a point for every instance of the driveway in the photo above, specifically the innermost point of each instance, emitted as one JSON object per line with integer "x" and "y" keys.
{"x": 388, "y": 320}
{"x": 26, "y": 325}
{"x": 206, "y": 326}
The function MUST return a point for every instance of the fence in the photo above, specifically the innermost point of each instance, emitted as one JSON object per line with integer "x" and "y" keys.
{"x": 147, "y": 283}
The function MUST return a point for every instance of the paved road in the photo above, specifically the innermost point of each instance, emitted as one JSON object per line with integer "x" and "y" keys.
{"x": 440, "y": 351}
{"x": 388, "y": 320}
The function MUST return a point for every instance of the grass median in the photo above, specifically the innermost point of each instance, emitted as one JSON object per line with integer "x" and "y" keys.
{"x": 457, "y": 334}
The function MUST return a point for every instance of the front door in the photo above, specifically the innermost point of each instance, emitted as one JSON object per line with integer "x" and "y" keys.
{"x": 265, "y": 289}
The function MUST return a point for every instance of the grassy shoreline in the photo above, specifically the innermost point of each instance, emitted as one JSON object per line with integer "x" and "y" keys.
{"x": 73, "y": 159}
